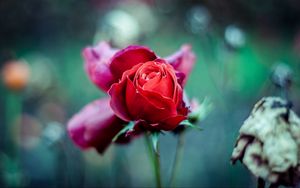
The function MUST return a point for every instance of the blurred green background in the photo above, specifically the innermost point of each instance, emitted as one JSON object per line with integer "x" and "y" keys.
{"x": 238, "y": 44}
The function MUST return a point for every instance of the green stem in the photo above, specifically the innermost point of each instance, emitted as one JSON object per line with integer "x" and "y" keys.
{"x": 178, "y": 156}
{"x": 13, "y": 112}
{"x": 157, "y": 169}
{"x": 154, "y": 156}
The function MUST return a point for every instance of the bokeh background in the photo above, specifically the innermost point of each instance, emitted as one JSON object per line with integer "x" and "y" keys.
{"x": 238, "y": 45}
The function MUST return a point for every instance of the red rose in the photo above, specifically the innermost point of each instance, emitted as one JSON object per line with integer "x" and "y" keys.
{"x": 149, "y": 92}
{"x": 143, "y": 88}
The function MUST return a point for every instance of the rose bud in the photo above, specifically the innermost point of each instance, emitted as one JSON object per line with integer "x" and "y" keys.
{"x": 15, "y": 75}
{"x": 269, "y": 142}
{"x": 95, "y": 126}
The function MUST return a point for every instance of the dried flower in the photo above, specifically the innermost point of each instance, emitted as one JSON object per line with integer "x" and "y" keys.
{"x": 269, "y": 142}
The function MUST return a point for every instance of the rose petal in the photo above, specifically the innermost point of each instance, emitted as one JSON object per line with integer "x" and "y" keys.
{"x": 128, "y": 57}
{"x": 158, "y": 100}
{"x": 95, "y": 126}
{"x": 171, "y": 122}
{"x": 183, "y": 60}
{"x": 117, "y": 93}
{"x": 180, "y": 77}
{"x": 146, "y": 105}
{"x": 117, "y": 102}
{"x": 97, "y": 60}
{"x": 167, "y": 124}
{"x": 178, "y": 95}
{"x": 165, "y": 85}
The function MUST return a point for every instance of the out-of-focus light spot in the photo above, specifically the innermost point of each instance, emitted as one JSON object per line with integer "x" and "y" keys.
{"x": 42, "y": 74}
{"x": 16, "y": 74}
{"x": 53, "y": 133}
{"x": 30, "y": 130}
{"x": 198, "y": 19}
{"x": 282, "y": 75}
{"x": 119, "y": 27}
{"x": 234, "y": 36}
{"x": 144, "y": 15}
{"x": 126, "y": 23}
{"x": 50, "y": 111}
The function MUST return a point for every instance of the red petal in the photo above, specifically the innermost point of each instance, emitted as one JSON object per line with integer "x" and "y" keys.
{"x": 117, "y": 93}
{"x": 159, "y": 101}
{"x": 148, "y": 106}
{"x": 128, "y": 57}
{"x": 165, "y": 85}
{"x": 171, "y": 122}
{"x": 167, "y": 124}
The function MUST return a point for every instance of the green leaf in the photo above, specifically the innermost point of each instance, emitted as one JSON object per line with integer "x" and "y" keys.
{"x": 127, "y": 127}
{"x": 189, "y": 124}
{"x": 154, "y": 140}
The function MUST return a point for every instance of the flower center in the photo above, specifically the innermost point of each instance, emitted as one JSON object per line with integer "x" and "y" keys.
{"x": 150, "y": 76}
{"x": 154, "y": 77}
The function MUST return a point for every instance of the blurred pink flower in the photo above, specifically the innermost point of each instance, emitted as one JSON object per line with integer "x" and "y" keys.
{"x": 95, "y": 126}
{"x": 183, "y": 60}
{"x": 97, "y": 61}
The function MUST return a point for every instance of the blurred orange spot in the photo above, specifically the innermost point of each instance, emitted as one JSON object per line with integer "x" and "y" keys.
{"x": 15, "y": 75}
